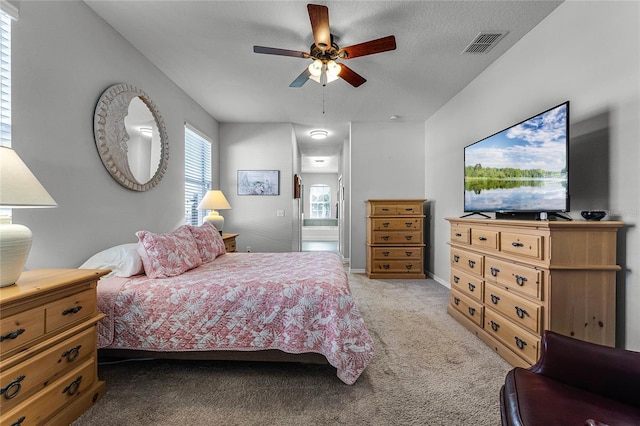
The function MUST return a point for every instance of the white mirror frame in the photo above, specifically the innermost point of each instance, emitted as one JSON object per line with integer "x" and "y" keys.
{"x": 111, "y": 136}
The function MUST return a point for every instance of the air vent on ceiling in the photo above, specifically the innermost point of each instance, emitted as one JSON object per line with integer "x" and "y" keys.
{"x": 484, "y": 42}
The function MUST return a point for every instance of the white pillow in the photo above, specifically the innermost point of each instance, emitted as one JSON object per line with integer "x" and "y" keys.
{"x": 123, "y": 260}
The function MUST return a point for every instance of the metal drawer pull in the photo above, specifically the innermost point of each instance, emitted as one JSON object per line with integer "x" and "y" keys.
{"x": 12, "y": 335}
{"x": 408, "y": 253}
{"x": 408, "y": 209}
{"x": 456, "y": 300}
{"x": 386, "y": 253}
{"x": 494, "y": 271}
{"x": 456, "y": 279}
{"x": 12, "y": 389}
{"x": 495, "y": 326}
{"x": 472, "y": 311}
{"x": 72, "y": 353}
{"x": 408, "y": 266}
{"x": 456, "y": 258}
{"x": 19, "y": 421}
{"x": 385, "y": 224}
{"x": 516, "y": 244}
{"x": 520, "y": 280}
{"x": 482, "y": 238}
{"x": 73, "y": 310}
{"x": 408, "y": 224}
{"x": 385, "y": 209}
{"x": 408, "y": 237}
{"x": 458, "y": 234}
{"x": 385, "y": 266}
{"x": 471, "y": 287}
{"x": 73, "y": 387}
{"x": 472, "y": 263}
{"x": 385, "y": 237}
{"x": 521, "y": 312}
{"x": 520, "y": 343}
{"x": 494, "y": 299}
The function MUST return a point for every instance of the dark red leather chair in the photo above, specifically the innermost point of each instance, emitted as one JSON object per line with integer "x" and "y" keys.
{"x": 574, "y": 383}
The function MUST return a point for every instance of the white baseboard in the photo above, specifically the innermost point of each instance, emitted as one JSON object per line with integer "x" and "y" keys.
{"x": 439, "y": 280}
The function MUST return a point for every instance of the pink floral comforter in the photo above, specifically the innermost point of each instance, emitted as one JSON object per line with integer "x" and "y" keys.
{"x": 295, "y": 302}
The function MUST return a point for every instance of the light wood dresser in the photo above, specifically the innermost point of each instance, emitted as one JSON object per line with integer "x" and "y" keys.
{"x": 513, "y": 279}
{"x": 48, "y": 369}
{"x": 395, "y": 238}
{"x": 230, "y": 242}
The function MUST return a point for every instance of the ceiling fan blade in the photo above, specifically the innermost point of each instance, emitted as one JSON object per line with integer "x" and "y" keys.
{"x": 319, "y": 17}
{"x": 280, "y": 52}
{"x": 301, "y": 79}
{"x": 350, "y": 76}
{"x": 383, "y": 44}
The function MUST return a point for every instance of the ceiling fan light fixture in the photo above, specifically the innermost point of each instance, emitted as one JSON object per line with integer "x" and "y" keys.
{"x": 319, "y": 134}
{"x": 315, "y": 69}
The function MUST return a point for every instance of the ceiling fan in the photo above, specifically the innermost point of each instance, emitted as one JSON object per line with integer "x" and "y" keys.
{"x": 324, "y": 52}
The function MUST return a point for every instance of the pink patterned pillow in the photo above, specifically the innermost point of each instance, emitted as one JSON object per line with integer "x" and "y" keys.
{"x": 168, "y": 255}
{"x": 209, "y": 241}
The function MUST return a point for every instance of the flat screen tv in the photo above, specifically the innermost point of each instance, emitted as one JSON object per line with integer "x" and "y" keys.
{"x": 521, "y": 170}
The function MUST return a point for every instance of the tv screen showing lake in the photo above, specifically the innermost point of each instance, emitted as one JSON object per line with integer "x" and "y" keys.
{"x": 515, "y": 195}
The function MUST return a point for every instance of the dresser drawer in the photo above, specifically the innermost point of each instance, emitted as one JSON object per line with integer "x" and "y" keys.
{"x": 522, "y": 245}
{"x": 21, "y": 381}
{"x": 484, "y": 238}
{"x": 470, "y": 308}
{"x": 70, "y": 310}
{"x": 381, "y": 253}
{"x": 397, "y": 266}
{"x": 461, "y": 234}
{"x": 469, "y": 262}
{"x": 522, "y": 279}
{"x": 470, "y": 285}
{"x": 379, "y": 209}
{"x": 20, "y": 329}
{"x": 521, "y": 311}
{"x": 514, "y": 337}
{"x": 397, "y": 237}
{"x": 230, "y": 246}
{"x": 43, "y": 405}
{"x": 402, "y": 224}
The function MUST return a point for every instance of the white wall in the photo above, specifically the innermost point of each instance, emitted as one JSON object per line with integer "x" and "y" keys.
{"x": 386, "y": 162}
{"x": 259, "y": 146}
{"x": 64, "y": 56}
{"x": 584, "y": 52}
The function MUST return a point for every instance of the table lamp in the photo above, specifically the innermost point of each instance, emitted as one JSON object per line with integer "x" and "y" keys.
{"x": 19, "y": 189}
{"x": 214, "y": 200}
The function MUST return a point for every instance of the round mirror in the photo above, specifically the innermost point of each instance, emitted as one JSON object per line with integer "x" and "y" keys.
{"x": 131, "y": 137}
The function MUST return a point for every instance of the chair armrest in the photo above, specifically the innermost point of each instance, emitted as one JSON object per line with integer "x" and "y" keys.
{"x": 611, "y": 372}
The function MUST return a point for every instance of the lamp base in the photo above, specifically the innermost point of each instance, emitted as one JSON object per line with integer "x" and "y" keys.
{"x": 215, "y": 219}
{"x": 15, "y": 243}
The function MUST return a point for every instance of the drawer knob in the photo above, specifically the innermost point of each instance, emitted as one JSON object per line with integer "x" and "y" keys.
{"x": 456, "y": 258}
{"x": 19, "y": 421}
{"x": 12, "y": 335}
{"x": 72, "y": 353}
{"x": 482, "y": 238}
{"x": 73, "y": 310}
{"x": 520, "y": 343}
{"x": 408, "y": 253}
{"x": 495, "y": 326}
{"x": 408, "y": 224}
{"x": 521, "y": 312}
{"x": 408, "y": 266}
{"x": 408, "y": 237}
{"x": 472, "y": 311}
{"x": 386, "y": 253}
{"x": 456, "y": 279}
{"x": 73, "y": 387}
{"x": 458, "y": 234}
{"x": 471, "y": 287}
{"x": 385, "y": 266}
{"x": 456, "y": 300}
{"x": 494, "y": 271}
{"x": 385, "y": 237}
{"x": 520, "y": 280}
{"x": 472, "y": 263}
{"x": 12, "y": 389}
{"x": 385, "y": 224}
{"x": 494, "y": 299}
{"x": 517, "y": 244}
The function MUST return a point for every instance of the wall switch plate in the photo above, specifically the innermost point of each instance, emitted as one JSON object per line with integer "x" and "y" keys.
{"x": 279, "y": 212}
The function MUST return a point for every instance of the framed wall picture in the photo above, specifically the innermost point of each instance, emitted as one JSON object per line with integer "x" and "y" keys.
{"x": 258, "y": 182}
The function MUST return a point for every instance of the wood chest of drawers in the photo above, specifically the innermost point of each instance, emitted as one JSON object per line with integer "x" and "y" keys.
{"x": 512, "y": 279}
{"x": 395, "y": 239}
{"x": 230, "y": 242}
{"x": 48, "y": 370}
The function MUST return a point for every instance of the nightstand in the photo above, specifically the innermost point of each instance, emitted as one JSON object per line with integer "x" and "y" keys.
{"x": 48, "y": 370}
{"x": 230, "y": 242}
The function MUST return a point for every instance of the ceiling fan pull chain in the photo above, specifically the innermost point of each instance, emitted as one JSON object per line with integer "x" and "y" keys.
{"x": 322, "y": 100}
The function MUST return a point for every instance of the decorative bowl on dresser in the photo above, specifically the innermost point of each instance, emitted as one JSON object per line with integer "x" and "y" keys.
{"x": 48, "y": 369}
{"x": 395, "y": 238}
{"x": 513, "y": 279}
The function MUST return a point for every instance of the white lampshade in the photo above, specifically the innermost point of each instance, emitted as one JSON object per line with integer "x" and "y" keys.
{"x": 214, "y": 200}
{"x": 19, "y": 188}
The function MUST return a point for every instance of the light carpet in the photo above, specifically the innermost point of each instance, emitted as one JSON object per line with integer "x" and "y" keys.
{"x": 427, "y": 370}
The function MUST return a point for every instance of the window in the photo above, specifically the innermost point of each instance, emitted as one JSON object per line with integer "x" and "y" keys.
{"x": 197, "y": 173}
{"x": 5, "y": 79}
{"x": 320, "y": 196}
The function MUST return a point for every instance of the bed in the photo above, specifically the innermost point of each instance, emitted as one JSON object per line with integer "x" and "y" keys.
{"x": 294, "y": 304}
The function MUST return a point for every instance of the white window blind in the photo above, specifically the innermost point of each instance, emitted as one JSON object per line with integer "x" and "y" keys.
{"x": 197, "y": 173}
{"x": 320, "y": 196}
{"x": 5, "y": 79}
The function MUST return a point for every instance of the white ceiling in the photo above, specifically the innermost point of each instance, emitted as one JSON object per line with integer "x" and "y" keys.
{"x": 206, "y": 48}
